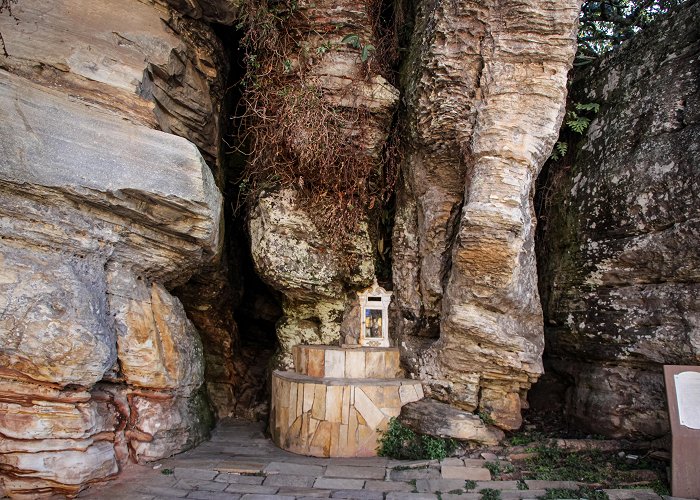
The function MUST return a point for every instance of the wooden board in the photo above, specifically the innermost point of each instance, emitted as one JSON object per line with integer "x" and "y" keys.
{"x": 683, "y": 396}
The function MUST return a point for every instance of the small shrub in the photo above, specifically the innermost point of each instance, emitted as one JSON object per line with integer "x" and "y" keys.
{"x": 167, "y": 472}
{"x": 469, "y": 484}
{"x": 525, "y": 438}
{"x": 400, "y": 442}
{"x": 498, "y": 468}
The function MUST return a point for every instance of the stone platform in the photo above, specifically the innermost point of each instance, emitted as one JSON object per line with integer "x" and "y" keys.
{"x": 338, "y": 400}
{"x": 240, "y": 463}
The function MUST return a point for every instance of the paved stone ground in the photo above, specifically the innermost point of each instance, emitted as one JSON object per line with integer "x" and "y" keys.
{"x": 239, "y": 462}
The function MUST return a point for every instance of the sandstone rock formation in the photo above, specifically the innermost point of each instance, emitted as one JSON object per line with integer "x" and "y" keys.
{"x": 431, "y": 417}
{"x": 619, "y": 260}
{"x": 100, "y": 216}
{"x": 138, "y": 59}
{"x": 485, "y": 85}
{"x": 154, "y": 67}
{"x": 291, "y": 255}
{"x": 291, "y": 252}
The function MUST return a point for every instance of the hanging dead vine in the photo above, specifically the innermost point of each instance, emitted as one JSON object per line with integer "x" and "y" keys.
{"x": 295, "y": 134}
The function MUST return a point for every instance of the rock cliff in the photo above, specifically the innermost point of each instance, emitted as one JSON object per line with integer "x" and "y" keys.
{"x": 100, "y": 216}
{"x": 619, "y": 256}
{"x": 485, "y": 85}
{"x": 292, "y": 252}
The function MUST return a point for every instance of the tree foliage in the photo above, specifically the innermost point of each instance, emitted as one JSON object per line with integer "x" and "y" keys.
{"x": 607, "y": 23}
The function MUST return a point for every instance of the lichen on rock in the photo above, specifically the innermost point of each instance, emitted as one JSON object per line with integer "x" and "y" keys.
{"x": 618, "y": 255}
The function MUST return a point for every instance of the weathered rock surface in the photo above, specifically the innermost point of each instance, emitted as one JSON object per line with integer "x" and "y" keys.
{"x": 156, "y": 344}
{"x": 619, "y": 260}
{"x": 291, "y": 253}
{"x": 293, "y": 257}
{"x": 431, "y": 417}
{"x": 215, "y": 11}
{"x": 138, "y": 59}
{"x": 485, "y": 91}
{"x": 209, "y": 299}
{"x": 97, "y": 217}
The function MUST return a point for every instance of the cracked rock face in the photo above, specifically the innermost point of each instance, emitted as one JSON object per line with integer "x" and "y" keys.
{"x": 138, "y": 59}
{"x": 619, "y": 258}
{"x": 290, "y": 253}
{"x": 292, "y": 256}
{"x": 485, "y": 90}
{"x": 100, "y": 216}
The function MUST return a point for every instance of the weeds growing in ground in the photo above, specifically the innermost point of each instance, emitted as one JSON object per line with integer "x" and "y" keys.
{"x": 400, "y": 442}
{"x": 490, "y": 494}
{"x": 498, "y": 468}
{"x": 586, "y": 493}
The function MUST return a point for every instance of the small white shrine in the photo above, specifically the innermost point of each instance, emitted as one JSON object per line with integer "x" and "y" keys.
{"x": 339, "y": 399}
{"x": 374, "y": 316}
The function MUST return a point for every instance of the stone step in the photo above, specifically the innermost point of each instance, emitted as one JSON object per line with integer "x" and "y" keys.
{"x": 335, "y": 417}
{"x": 347, "y": 362}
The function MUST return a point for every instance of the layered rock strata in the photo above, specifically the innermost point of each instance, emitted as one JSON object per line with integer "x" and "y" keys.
{"x": 338, "y": 400}
{"x": 140, "y": 60}
{"x": 619, "y": 259}
{"x": 485, "y": 86}
{"x": 150, "y": 65}
{"x": 431, "y": 417}
{"x": 291, "y": 253}
{"x": 100, "y": 216}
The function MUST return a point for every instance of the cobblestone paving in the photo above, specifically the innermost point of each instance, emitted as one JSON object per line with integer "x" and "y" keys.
{"x": 239, "y": 462}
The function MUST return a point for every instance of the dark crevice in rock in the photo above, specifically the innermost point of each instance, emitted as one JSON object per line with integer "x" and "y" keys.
{"x": 233, "y": 310}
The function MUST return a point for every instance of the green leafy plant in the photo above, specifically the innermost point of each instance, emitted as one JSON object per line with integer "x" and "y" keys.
{"x": 469, "y": 484}
{"x": 167, "y": 472}
{"x": 576, "y": 121}
{"x": 400, "y": 442}
{"x": 366, "y": 50}
{"x": 353, "y": 40}
{"x": 490, "y": 494}
{"x": 324, "y": 47}
{"x": 560, "y": 150}
{"x": 486, "y": 418}
{"x": 498, "y": 468}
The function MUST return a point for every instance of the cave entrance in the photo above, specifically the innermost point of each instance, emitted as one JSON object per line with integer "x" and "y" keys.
{"x": 233, "y": 310}
{"x": 257, "y": 307}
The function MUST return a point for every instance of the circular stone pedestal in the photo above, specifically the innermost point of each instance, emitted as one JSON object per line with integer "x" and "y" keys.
{"x": 319, "y": 410}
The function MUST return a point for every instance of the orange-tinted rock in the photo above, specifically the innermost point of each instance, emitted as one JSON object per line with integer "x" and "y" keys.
{"x": 485, "y": 91}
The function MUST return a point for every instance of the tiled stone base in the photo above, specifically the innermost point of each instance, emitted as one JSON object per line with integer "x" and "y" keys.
{"x": 332, "y": 414}
{"x": 347, "y": 362}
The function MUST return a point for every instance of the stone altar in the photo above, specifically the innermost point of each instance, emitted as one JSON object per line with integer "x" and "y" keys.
{"x": 338, "y": 400}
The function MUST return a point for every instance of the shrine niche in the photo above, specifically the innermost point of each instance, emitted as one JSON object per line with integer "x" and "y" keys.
{"x": 374, "y": 316}
{"x": 339, "y": 399}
